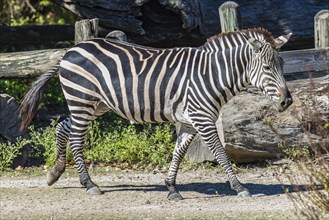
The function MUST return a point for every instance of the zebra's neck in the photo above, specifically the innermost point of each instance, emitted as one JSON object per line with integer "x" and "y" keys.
{"x": 228, "y": 59}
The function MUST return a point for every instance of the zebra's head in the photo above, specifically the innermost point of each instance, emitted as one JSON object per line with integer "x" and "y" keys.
{"x": 266, "y": 69}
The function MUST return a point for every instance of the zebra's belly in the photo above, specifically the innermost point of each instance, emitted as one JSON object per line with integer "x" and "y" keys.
{"x": 168, "y": 113}
{"x": 149, "y": 115}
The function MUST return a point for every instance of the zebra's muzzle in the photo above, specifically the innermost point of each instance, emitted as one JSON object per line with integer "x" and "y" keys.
{"x": 284, "y": 103}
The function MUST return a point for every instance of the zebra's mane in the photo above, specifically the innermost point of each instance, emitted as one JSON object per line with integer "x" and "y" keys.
{"x": 257, "y": 33}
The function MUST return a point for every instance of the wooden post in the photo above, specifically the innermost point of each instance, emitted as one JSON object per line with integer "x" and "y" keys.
{"x": 85, "y": 30}
{"x": 229, "y": 16}
{"x": 321, "y": 29}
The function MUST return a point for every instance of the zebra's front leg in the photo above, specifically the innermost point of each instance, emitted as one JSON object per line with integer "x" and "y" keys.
{"x": 77, "y": 139}
{"x": 208, "y": 132}
{"x": 62, "y": 134}
{"x": 185, "y": 136}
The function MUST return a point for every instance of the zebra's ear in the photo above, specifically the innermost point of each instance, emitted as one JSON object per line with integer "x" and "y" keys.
{"x": 255, "y": 44}
{"x": 282, "y": 40}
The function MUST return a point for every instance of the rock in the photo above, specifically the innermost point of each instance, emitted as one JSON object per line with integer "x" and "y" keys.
{"x": 198, "y": 152}
{"x": 9, "y": 129}
{"x": 253, "y": 128}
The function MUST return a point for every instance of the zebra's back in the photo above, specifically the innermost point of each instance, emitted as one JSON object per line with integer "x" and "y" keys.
{"x": 139, "y": 83}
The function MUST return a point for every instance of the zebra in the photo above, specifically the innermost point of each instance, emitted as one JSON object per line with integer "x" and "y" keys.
{"x": 187, "y": 86}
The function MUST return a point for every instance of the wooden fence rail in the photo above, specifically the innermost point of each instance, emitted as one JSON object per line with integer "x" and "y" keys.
{"x": 34, "y": 63}
{"x": 29, "y": 63}
{"x": 35, "y": 34}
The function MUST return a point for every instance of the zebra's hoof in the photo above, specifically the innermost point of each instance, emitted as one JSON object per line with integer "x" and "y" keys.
{"x": 176, "y": 196}
{"x": 52, "y": 177}
{"x": 94, "y": 191}
{"x": 245, "y": 193}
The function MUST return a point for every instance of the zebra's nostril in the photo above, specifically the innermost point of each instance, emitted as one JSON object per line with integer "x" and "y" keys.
{"x": 286, "y": 103}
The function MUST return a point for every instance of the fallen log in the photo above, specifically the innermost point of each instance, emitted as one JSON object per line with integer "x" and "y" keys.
{"x": 166, "y": 23}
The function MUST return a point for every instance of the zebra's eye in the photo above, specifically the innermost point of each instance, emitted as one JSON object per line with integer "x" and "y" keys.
{"x": 266, "y": 67}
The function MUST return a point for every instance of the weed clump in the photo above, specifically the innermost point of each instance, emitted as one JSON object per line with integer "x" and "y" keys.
{"x": 310, "y": 179}
{"x": 9, "y": 151}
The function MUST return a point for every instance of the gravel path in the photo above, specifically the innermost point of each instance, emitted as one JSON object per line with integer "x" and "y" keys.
{"x": 142, "y": 195}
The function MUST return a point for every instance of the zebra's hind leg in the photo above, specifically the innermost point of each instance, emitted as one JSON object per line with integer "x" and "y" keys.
{"x": 62, "y": 134}
{"x": 185, "y": 136}
{"x": 208, "y": 132}
{"x": 77, "y": 137}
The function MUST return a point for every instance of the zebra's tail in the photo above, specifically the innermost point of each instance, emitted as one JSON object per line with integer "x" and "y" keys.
{"x": 29, "y": 105}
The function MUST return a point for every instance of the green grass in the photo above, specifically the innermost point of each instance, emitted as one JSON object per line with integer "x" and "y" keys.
{"x": 147, "y": 147}
{"x": 150, "y": 147}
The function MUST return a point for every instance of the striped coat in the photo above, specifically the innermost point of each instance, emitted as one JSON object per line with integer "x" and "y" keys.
{"x": 183, "y": 85}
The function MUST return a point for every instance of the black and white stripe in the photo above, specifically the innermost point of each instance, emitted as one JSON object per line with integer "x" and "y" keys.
{"x": 183, "y": 85}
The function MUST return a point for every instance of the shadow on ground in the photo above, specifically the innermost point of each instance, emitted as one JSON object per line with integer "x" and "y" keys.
{"x": 205, "y": 188}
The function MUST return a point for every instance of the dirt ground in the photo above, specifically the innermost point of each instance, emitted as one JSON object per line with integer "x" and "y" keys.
{"x": 142, "y": 195}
